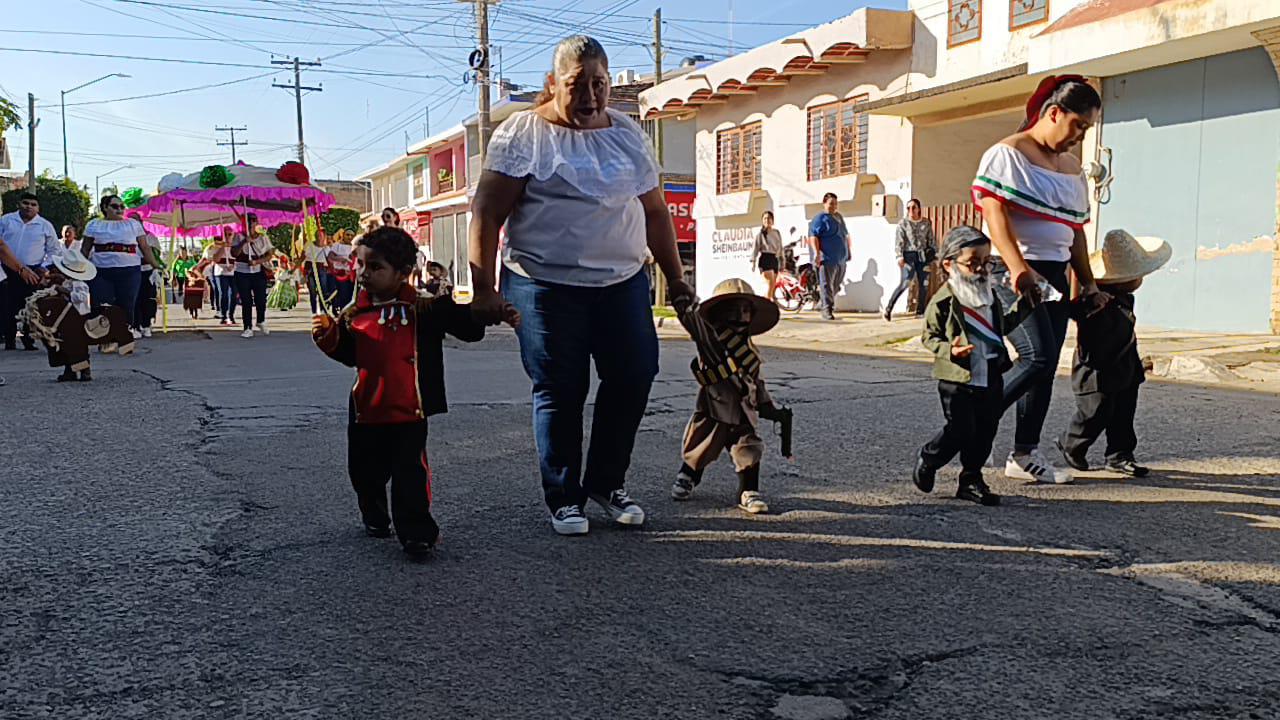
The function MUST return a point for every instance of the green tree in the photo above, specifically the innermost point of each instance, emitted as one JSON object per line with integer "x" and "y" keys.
{"x": 62, "y": 202}
{"x": 338, "y": 218}
{"x": 9, "y": 115}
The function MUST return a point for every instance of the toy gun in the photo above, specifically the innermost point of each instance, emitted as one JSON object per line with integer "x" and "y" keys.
{"x": 783, "y": 416}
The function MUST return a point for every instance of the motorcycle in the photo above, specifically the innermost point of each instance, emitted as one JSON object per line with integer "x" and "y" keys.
{"x": 796, "y": 285}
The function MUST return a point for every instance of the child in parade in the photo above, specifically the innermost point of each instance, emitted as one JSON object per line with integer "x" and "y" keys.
{"x": 964, "y": 328}
{"x": 70, "y": 274}
{"x": 392, "y": 336}
{"x": 732, "y": 395}
{"x": 1108, "y": 370}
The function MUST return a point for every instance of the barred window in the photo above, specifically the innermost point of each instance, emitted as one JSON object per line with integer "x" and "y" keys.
{"x": 738, "y": 159}
{"x": 1027, "y": 12}
{"x": 837, "y": 139}
{"x": 964, "y": 21}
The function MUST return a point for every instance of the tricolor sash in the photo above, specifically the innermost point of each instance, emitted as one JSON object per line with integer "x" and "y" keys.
{"x": 979, "y": 329}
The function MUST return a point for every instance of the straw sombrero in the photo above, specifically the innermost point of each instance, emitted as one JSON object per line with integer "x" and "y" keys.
{"x": 75, "y": 265}
{"x": 1124, "y": 257}
{"x": 765, "y": 315}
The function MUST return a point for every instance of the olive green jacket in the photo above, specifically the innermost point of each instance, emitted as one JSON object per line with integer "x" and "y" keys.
{"x": 944, "y": 322}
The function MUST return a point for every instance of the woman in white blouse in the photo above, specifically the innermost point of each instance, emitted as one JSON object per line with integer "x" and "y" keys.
{"x": 117, "y": 246}
{"x": 577, "y": 187}
{"x": 1035, "y": 202}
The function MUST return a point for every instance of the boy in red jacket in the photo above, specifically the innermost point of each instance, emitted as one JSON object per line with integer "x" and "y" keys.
{"x": 392, "y": 336}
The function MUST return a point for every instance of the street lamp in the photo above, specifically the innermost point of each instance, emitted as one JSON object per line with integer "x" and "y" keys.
{"x": 97, "y": 194}
{"x": 65, "y": 163}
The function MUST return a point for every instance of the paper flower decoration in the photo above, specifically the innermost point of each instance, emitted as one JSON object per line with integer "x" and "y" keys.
{"x": 215, "y": 176}
{"x": 172, "y": 181}
{"x": 294, "y": 173}
{"x": 133, "y": 197}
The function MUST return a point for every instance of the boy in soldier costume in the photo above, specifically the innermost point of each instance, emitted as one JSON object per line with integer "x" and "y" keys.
{"x": 732, "y": 396}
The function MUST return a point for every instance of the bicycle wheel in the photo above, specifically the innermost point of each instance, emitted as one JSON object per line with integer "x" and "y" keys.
{"x": 786, "y": 300}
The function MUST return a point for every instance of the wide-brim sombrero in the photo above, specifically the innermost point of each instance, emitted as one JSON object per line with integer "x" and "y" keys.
{"x": 75, "y": 265}
{"x": 1123, "y": 257}
{"x": 766, "y": 313}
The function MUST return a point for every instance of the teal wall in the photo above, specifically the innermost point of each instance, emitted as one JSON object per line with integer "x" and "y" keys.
{"x": 1197, "y": 147}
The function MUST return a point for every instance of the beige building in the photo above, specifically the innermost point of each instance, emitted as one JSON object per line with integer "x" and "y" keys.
{"x": 881, "y": 106}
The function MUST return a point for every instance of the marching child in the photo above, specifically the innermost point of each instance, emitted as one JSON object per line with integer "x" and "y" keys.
{"x": 964, "y": 328}
{"x": 1108, "y": 369}
{"x": 392, "y": 336}
{"x": 732, "y": 395}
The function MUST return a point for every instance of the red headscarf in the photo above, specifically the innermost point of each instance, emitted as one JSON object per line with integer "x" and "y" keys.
{"x": 1044, "y": 91}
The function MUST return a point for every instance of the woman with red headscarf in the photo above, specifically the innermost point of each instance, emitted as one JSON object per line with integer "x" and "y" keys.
{"x": 1035, "y": 202}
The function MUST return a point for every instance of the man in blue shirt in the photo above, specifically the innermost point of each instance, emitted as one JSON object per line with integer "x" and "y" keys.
{"x": 829, "y": 240}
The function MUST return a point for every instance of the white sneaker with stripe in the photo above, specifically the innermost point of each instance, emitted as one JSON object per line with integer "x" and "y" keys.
{"x": 1033, "y": 466}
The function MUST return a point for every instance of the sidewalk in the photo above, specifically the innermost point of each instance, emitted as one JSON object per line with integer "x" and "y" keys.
{"x": 1244, "y": 361}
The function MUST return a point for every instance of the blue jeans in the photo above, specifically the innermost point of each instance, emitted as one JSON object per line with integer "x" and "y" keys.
{"x": 117, "y": 286}
{"x": 319, "y": 284}
{"x": 915, "y": 267}
{"x": 225, "y": 286}
{"x": 344, "y": 291}
{"x": 563, "y": 328}
{"x": 1038, "y": 340}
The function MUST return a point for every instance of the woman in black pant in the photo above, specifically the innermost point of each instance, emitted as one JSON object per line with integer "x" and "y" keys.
{"x": 251, "y": 282}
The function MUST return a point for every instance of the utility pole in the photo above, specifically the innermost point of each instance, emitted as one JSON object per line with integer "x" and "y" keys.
{"x": 32, "y": 122}
{"x": 297, "y": 88}
{"x": 482, "y": 73}
{"x": 233, "y": 143}
{"x": 657, "y": 79}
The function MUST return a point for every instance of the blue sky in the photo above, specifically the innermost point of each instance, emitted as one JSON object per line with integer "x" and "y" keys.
{"x": 385, "y": 62}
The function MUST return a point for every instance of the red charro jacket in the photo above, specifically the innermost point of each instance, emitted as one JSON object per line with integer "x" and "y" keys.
{"x": 396, "y": 348}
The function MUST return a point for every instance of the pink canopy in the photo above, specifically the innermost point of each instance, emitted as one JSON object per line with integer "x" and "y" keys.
{"x": 203, "y": 212}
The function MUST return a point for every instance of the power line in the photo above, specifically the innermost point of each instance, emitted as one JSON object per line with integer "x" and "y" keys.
{"x": 233, "y": 144}
{"x": 215, "y": 63}
{"x": 172, "y": 92}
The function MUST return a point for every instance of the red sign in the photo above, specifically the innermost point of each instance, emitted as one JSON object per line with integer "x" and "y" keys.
{"x": 681, "y": 206}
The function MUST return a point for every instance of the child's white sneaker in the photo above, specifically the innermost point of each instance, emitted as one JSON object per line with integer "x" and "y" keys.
{"x": 753, "y": 502}
{"x": 248, "y": 333}
{"x": 1034, "y": 467}
{"x": 262, "y": 328}
{"x": 682, "y": 488}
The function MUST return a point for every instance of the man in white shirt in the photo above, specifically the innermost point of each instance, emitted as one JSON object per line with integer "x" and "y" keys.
{"x": 34, "y": 243}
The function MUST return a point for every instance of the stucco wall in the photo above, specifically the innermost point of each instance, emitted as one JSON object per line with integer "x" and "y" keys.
{"x": 947, "y": 154}
{"x": 727, "y": 222}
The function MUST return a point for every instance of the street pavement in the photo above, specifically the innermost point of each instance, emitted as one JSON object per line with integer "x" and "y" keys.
{"x": 179, "y": 539}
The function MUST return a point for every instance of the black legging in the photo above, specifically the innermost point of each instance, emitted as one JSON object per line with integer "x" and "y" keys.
{"x": 252, "y": 285}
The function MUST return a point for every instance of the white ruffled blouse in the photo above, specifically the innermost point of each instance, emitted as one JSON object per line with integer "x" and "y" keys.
{"x": 579, "y": 221}
{"x": 1046, "y": 207}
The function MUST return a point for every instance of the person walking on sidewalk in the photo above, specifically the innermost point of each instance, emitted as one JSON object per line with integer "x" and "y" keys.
{"x": 33, "y": 241}
{"x": 917, "y": 247}
{"x": 767, "y": 255}
{"x": 1035, "y": 202}
{"x": 577, "y": 187}
{"x": 831, "y": 246}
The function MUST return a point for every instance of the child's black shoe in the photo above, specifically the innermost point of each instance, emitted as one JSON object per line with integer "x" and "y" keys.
{"x": 85, "y": 376}
{"x": 974, "y": 489}
{"x": 1074, "y": 461}
{"x": 67, "y": 376}
{"x": 377, "y": 532}
{"x": 419, "y": 549}
{"x": 923, "y": 475}
{"x": 686, "y": 480}
{"x": 1127, "y": 466}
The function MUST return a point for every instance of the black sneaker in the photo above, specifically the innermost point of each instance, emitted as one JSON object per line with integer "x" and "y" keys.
{"x": 975, "y": 490}
{"x": 1127, "y": 466}
{"x": 569, "y": 520}
{"x": 418, "y": 549}
{"x": 923, "y": 475}
{"x": 377, "y": 532}
{"x": 68, "y": 376}
{"x": 86, "y": 376}
{"x": 1074, "y": 461}
{"x": 621, "y": 507}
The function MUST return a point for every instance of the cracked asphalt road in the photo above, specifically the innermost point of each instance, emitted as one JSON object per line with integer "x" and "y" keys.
{"x": 178, "y": 539}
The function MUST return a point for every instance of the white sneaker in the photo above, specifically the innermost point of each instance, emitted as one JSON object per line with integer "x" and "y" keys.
{"x": 247, "y": 334}
{"x": 753, "y": 502}
{"x": 146, "y": 332}
{"x": 569, "y": 520}
{"x": 621, "y": 507}
{"x": 1035, "y": 467}
{"x": 136, "y": 334}
{"x": 262, "y": 328}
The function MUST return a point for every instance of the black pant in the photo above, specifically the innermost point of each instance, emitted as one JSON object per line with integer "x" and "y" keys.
{"x": 398, "y": 452}
{"x": 15, "y": 292}
{"x": 973, "y": 417}
{"x": 1098, "y": 412}
{"x": 252, "y": 287}
{"x": 144, "y": 313}
{"x": 917, "y": 268}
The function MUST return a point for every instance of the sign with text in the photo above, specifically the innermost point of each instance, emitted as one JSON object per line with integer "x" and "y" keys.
{"x": 681, "y": 206}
